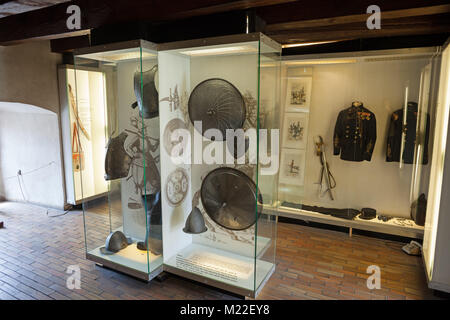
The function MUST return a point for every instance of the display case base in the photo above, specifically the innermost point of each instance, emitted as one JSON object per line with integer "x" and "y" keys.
{"x": 374, "y": 225}
{"x": 221, "y": 269}
{"x": 106, "y": 261}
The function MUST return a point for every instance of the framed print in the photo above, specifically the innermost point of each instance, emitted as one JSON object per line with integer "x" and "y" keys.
{"x": 292, "y": 167}
{"x": 298, "y": 94}
{"x": 295, "y": 130}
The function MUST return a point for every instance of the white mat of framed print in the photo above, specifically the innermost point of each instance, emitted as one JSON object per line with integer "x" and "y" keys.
{"x": 298, "y": 95}
{"x": 292, "y": 167}
{"x": 295, "y": 130}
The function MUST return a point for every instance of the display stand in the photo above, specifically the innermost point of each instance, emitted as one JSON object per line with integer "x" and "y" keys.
{"x": 396, "y": 226}
{"x": 228, "y": 82}
{"x": 123, "y": 229}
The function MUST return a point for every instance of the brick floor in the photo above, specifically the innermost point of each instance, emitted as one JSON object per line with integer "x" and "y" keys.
{"x": 36, "y": 249}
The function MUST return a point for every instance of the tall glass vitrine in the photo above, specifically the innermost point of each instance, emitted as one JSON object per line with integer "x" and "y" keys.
{"x": 123, "y": 230}
{"x": 364, "y": 132}
{"x": 219, "y": 161}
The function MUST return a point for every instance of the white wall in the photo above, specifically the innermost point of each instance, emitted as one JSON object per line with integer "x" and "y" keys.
{"x": 28, "y": 137}
{"x": 29, "y": 141}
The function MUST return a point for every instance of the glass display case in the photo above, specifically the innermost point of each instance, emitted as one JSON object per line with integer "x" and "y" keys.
{"x": 436, "y": 255}
{"x": 86, "y": 161}
{"x": 122, "y": 229}
{"x": 219, "y": 121}
{"x": 360, "y": 127}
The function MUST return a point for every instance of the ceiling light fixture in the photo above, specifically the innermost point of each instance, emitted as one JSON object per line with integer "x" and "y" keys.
{"x": 219, "y": 51}
{"x": 315, "y": 62}
{"x": 304, "y": 44}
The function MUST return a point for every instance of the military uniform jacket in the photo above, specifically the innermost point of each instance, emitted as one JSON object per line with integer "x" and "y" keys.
{"x": 396, "y": 128}
{"x": 355, "y": 134}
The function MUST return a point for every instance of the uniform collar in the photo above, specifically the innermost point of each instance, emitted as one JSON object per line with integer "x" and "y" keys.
{"x": 412, "y": 106}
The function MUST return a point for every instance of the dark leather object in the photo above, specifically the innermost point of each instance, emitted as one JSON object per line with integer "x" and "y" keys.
{"x": 117, "y": 160}
{"x": 218, "y": 104}
{"x": 195, "y": 223}
{"x": 153, "y": 234}
{"x": 368, "y": 214}
{"x": 419, "y": 210}
{"x": 348, "y": 214}
{"x": 229, "y": 197}
{"x": 148, "y": 101}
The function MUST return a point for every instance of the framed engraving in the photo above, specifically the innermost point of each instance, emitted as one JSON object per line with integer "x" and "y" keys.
{"x": 295, "y": 130}
{"x": 298, "y": 95}
{"x": 292, "y": 167}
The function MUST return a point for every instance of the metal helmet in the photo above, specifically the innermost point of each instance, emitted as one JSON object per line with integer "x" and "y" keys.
{"x": 195, "y": 223}
{"x": 115, "y": 242}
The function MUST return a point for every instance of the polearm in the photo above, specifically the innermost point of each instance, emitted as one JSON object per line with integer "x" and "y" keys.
{"x": 325, "y": 170}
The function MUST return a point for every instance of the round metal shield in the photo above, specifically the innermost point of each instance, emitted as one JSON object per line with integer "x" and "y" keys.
{"x": 229, "y": 198}
{"x": 218, "y": 105}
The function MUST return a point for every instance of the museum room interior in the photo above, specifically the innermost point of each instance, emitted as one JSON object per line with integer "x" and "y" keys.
{"x": 186, "y": 150}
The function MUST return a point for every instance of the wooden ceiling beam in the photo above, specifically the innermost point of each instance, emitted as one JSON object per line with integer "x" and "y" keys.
{"x": 385, "y": 15}
{"x": 52, "y": 20}
{"x": 311, "y": 10}
{"x": 390, "y": 28}
{"x": 289, "y": 20}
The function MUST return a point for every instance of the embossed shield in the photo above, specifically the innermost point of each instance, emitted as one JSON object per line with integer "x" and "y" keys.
{"x": 229, "y": 197}
{"x": 218, "y": 105}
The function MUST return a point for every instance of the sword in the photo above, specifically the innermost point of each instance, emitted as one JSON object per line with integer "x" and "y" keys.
{"x": 325, "y": 170}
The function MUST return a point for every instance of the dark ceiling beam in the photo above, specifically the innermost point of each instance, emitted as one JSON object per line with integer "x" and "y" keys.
{"x": 287, "y": 20}
{"x": 309, "y": 10}
{"x": 389, "y": 28}
{"x": 62, "y": 45}
{"x": 333, "y": 21}
{"x": 52, "y": 20}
